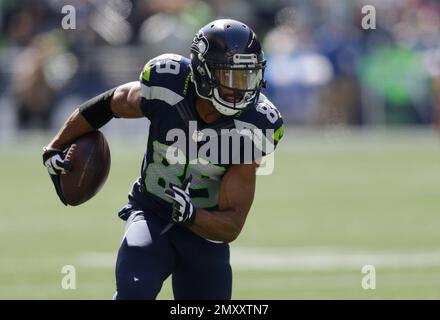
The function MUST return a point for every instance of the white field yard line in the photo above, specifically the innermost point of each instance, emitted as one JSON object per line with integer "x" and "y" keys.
{"x": 300, "y": 259}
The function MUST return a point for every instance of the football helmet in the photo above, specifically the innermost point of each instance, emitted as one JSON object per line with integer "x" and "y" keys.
{"x": 227, "y": 65}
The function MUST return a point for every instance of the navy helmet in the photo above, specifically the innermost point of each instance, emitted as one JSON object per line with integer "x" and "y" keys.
{"x": 227, "y": 65}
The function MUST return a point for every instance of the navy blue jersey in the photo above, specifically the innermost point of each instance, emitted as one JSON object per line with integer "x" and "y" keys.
{"x": 180, "y": 143}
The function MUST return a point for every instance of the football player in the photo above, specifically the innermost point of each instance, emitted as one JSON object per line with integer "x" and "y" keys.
{"x": 207, "y": 202}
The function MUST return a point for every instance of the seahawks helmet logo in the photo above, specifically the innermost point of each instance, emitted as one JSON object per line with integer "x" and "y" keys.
{"x": 200, "y": 44}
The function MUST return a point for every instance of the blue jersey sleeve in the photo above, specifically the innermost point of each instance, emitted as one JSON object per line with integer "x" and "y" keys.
{"x": 264, "y": 124}
{"x": 164, "y": 81}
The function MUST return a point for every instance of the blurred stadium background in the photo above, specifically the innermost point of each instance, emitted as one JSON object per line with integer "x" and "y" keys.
{"x": 357, "y": 176}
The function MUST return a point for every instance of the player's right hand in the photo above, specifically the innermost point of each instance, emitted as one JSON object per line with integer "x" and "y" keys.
{"x": 183, "y": 209}
{"x": 53, "y": 160}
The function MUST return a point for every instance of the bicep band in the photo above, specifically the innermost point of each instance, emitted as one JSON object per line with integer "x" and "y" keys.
{"x": 97, "y": 111}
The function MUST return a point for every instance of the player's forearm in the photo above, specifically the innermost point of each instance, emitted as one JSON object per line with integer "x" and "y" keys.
{"x": 75, "y": 126}
{"x": 217, "y": 225}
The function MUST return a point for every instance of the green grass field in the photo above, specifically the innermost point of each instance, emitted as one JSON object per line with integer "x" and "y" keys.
{"x": 335, "y": 203}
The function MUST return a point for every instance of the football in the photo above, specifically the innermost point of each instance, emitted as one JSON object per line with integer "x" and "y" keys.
{"x": 89, "y": 160}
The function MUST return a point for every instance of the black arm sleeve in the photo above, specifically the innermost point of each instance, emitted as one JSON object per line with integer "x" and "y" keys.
{"x": 97, "y": 111}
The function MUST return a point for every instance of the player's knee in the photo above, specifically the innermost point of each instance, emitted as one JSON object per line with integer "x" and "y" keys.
{"x": 135, "y": 281}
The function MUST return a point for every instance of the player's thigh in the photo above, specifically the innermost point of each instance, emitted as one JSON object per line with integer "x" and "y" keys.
{"x": 145, "y": 258}
{"x": 203, "y": 271}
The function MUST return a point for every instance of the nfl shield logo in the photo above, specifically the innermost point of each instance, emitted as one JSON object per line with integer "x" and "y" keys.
{"x": 197, "y": 136}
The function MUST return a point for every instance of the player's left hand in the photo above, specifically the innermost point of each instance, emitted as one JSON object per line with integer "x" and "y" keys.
{"x": 54, "y": 161}
{"x": 183, "y": 209}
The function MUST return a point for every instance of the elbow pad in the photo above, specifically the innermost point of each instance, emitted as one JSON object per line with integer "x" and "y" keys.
{"x": 97, "y": 111}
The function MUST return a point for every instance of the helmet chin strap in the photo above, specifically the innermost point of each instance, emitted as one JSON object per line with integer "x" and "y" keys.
{"x": 223, "y": 110}
{"x": 224, "y": 107}
{"x": 228, "y": 108}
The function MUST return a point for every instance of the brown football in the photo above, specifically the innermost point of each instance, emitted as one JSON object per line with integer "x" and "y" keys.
{"x": 89, "y": 159}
